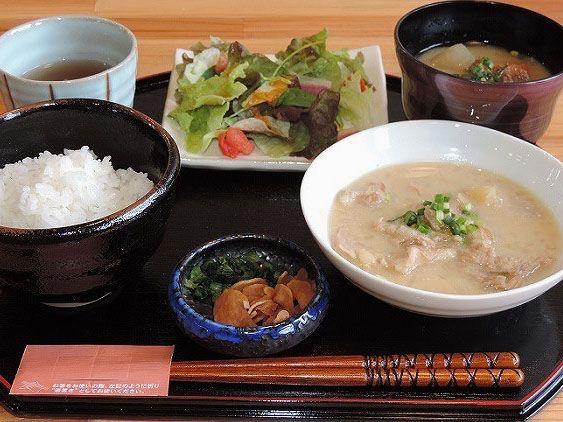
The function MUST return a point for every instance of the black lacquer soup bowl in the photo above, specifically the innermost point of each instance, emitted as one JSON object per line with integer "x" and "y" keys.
{"x": 521, "y": 109}
{"x": 78, "y": 264}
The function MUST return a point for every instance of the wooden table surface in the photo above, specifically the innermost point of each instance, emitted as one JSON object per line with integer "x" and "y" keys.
{"x": 161, "y": 26}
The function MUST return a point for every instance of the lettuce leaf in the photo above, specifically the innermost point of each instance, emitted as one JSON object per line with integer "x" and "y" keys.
{"x": 272, "y": 146}
{"x": 183, "y": 118}
{"x": 262, "y": 65}
{"x": 213, "y": 41}
{"x": 279, "y": 126}
{"x": 327, "y": 67}
{"x": 217, "y": 90}
{"x": 200, "y": 125}
{"x": 200, "y": 64}
{"x": 301, "y": 51}
{"x": 198, "y": 47}
{"x": 300, "y": 135}
{"x": 355, "y": 65}
{"x": 309, "y": 57}
{"x": 277, "y": 147}
{"x": 356, "y": 108}
{"x": 267, "y": 125}
{"x": 321, "y": 123}
{"x": 296, "y": 97}
{"x": 235, "y": 54}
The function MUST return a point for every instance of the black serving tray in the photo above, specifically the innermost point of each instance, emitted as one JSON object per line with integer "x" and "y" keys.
{"x": 213, "y": 203}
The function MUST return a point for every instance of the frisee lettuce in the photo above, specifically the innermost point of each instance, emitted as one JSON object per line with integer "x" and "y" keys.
{"x": 217, "y": 90}
{"x": 309, "y": 57}
{"x": 357, "y": 108}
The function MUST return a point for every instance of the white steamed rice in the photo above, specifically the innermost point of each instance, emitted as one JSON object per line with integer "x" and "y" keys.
{"x": 62, "y": 190}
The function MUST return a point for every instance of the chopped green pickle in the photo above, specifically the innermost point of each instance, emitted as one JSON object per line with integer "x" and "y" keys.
{"x": 208, "y": 279}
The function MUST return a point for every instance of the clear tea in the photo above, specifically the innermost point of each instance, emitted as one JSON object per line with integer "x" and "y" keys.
{"x": 66, "y": 69}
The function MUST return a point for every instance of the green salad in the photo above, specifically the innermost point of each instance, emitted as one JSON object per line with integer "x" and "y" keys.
{"x": 296, "y": 104}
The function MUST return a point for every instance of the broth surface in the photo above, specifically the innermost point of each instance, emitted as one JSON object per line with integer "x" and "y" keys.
{"x": 525, "y": 242}
{"x": 457, "y": 60}
{"x": 66, "y": 69}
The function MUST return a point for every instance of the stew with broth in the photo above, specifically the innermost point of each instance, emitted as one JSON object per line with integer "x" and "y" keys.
{"x": 445, "y": 228}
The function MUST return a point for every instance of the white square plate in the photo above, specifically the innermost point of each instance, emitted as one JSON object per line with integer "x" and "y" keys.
{"x": 213, "y": 158}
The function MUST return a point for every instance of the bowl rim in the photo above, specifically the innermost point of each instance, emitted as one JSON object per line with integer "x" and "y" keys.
{"x": 180, "y": 303}
{"x": 125, "y": 215}
{"x": 60, "y": 18}
{"x": 407, "y": 290}
{"x": 503, "y": 85}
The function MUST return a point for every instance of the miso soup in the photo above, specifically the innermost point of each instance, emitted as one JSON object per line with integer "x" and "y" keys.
{"x": 445, "y": 228}
{"x": 484, "y": 62}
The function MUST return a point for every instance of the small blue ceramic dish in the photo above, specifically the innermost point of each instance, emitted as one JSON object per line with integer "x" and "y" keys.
{"x": 243, "y": 341}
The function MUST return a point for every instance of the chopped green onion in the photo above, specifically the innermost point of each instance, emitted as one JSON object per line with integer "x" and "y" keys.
{"x": 485, "y": 70}
{"x": 423, "y": 228}
{"x": 477, "y": 71}
{"x": 514, "y": 53}
{"x": 459, "y": 225}
{"x": 471, "y": 228}
{"x": 455, "y": 228}
{"x": 409, "y": 218}
{"x": 471, "y": 216}
{"x": 448, "y": 219}
{"x": 488, "y": 62}
{"x": 440, "y": 198}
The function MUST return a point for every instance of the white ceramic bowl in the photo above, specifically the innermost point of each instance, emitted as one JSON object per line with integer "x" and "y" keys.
{"x": 56, "y": 38}
{"x": 430, "y": 140}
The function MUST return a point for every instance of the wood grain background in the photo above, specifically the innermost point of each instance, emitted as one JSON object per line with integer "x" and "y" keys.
{"x": 161, "y": 26}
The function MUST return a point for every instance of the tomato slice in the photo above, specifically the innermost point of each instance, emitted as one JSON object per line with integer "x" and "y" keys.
{"x": 363, "y": 85}
{"x": 234, "y": 142}
{"x": 221, "y": 63}
{"x": 226, "y": 148}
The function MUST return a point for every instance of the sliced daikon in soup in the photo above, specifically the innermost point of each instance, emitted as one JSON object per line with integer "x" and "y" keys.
{"x": 455, "y": 59}
{"x": 446, "y": 228}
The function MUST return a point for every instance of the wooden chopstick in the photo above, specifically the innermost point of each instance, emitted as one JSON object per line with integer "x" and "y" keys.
{"x": 486, "y": 370}
{"x": 473, "y": 360}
